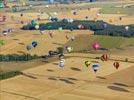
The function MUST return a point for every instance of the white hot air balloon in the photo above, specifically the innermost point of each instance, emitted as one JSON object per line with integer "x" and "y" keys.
{"x": 37, "y": 27}
{"x": 62, "y": 63}
{"x": 127, "y": 28}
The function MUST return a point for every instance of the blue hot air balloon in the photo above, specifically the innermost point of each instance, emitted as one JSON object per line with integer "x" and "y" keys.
{"x": 95, "y": 67}
{"x": 34, "y": 43}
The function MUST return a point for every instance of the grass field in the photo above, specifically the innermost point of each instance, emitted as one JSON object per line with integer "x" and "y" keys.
{"x": 84, "y": 42}
{"x": 117, "y": 10}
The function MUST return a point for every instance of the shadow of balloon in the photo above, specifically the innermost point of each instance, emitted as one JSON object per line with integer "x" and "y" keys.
{"x": 50, "y": 70}
{"x": 117, "y": 88}
{"x": 100, "y": 77}
{"x": 58, "y": 44}
{"x": 21, "y": 43}
{"x": 52, "y": 78}
{"x": 75, "y": 69}
{"x": 22, "y": 52}
{"x": 29, "y": 76}
{"x": 120, "y": 84}
{"x": 66, "y": 81}
{"x": 55, "y": 63}
{"x": 16, "y": 39}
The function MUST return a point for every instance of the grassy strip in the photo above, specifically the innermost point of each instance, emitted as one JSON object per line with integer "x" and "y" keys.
{"x": 6, "y": 75}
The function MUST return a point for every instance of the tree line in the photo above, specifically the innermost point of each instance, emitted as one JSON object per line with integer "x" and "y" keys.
{"x": 99, "y": 27}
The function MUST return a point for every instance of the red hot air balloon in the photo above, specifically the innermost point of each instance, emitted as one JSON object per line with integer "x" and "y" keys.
{"x": 116, "y": 65}
{"x": 104, "y": 57}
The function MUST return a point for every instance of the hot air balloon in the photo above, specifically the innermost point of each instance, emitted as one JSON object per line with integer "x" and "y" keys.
{"x": 5, "y": 32}
{"x": 51, "y": 34}
{"x": 62, "y": 63}
{"x": 37, "y": 27}
{"x": 34, "y": 43}
{"x": 87, "y": 63}
{"x": 95, "y": 45}
{"x": 60, "y": 28}
{"x": 116, "y": 65}
{"x": 104, "y": 25}
{"x": 73, "y": 38}
{"x": 33, "y": 22}
{"x": 74, "y": 13}
{"x": 29, "y": 47}
{"x": 14, "y": 8}
{"x": 69, "y": 49}
{"x": 80, "y": 26}
{"x": 86, "y": 17}
{"x": 95, "y": 67}
{"x": 21, "y": 14}
{"x": 120, "y": 18}
{"x": 127, "y": 28}
{"x": 104, "y": 57}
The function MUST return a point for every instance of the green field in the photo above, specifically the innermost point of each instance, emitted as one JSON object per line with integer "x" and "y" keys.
{"x": 129, "y": 10}
{"x": 84, "y": 42}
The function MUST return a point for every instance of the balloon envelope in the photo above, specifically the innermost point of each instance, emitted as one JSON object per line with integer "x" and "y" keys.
{"x": 95, "y": 45}
{"x": 61, "y": 63}
{"x": 87, "y": 63}
{"x": 116, "y": 65}
{"x": 104, "y": 57}
{"x": 34, "y": 43}
{"x": 95, "y": 67}
{"x": 29, "y": 47}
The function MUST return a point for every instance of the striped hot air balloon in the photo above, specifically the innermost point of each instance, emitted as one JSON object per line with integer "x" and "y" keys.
{"x": 104, "y": 57}
{"x": 116, "y": 65}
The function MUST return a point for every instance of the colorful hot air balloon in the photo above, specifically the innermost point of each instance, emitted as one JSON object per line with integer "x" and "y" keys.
{"x": 95, "y": 45}
{"x": 95, "y": 67}
{"x": 116, "y": 65}
{"x": 104, "y": 57}
{"x": 87, "y": 63}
